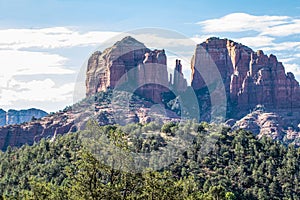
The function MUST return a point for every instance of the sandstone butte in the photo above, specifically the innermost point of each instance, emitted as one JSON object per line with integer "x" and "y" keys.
{"x": 249, "y": 78}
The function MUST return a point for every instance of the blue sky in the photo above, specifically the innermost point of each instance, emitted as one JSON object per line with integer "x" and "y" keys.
{"x": 44, "y": 44}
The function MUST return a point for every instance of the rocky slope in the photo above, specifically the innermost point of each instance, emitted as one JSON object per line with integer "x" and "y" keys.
{"x": 98, "y": 107}
{"x": 126, "y": 59}
{"x": 20, "y": 116}
{"x": 274, "y": 125}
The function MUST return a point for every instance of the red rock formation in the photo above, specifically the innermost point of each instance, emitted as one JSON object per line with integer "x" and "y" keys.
{"x": 105, "y": 69}
{"x": 28, "y": 133}
{"x": 130, "y": 60}
{"x": 179, "y": 82}
{"x": 250, "y": 78}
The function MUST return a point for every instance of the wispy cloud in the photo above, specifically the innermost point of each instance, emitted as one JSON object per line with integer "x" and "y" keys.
{"x": 44, "y": 90}
{"x": 291, "y": 27}
{"x": 237, "y": 22}
{"x": 49, "y": 38}
{"x": 263, "y": 25}
{"x": 15, "y": 62}
{"x": 256, "y": 41}
{"x": 295, "y": 68}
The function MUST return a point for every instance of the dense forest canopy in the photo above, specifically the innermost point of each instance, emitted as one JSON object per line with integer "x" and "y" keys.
{"x": 235, "y": 165}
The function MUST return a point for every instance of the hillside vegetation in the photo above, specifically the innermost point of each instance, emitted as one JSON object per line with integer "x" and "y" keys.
{"x": 216, "y": 164}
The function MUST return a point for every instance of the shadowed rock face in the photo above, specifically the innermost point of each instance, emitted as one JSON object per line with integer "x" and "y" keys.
{"x": 250, "y": 78}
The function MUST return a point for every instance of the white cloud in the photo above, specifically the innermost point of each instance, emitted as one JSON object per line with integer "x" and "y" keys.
{"x": 15, "y": 62}
{"x": 264, "y": 25}
{"x": 290, "y": 28}
{"x": 295, "y": 68}
{"x": 238, "y": 22}
{"x": 34, "y": 90}
{"x": 287, "y": 60}
{"x": 284, "y": 46}
{"x": 256, "y": 42}
{"x": 186, "y": 65}
{"x": 27, "y": 62}
{"x": 201, "y": 38}
{"x": 49, "y": 38}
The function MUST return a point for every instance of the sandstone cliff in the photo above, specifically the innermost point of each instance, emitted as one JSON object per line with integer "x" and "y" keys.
{"x": 250, "y": 78}
{"x": 131, "y": 61}
{"x": 30, "y": 132}
{"x": 106, "y": 68}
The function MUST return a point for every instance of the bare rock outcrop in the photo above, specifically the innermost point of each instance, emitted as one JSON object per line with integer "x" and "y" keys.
{"x": 105, "y": 68}
{"x": 270, "y": 124}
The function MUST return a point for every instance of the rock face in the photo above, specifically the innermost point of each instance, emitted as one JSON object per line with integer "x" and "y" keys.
{"x": 152, "y": 76}
{"x": 250, "y": 78}
{"x": 20, "y": 116}
{"x": 128, "y": 60}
